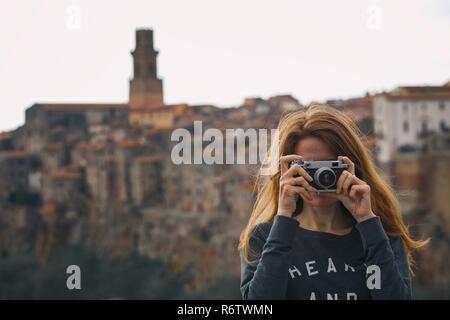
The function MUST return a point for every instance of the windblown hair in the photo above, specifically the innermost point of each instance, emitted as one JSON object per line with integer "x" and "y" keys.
{"x": 343, "y": 137}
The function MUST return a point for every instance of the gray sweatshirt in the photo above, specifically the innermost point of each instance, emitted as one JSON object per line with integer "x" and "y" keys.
{"x": 295, "y": 263}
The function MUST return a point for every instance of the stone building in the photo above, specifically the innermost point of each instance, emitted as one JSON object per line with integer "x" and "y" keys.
{"x": 54, "y": 155}
{"x": 62, "y": 186}
{"x": 405, "y": 116}
{"x": 6, "y": 142}
{"x": 15, "y": 168}
{"x": 360, "y": 110}
{"x": 107, "y": 181}
{"x": 163, "y": 117}
{"x": 41, "y": 120}
{"x": 124, "y": 153}
{"x": 146, "y": 180}
{"x": 98, "y": 163}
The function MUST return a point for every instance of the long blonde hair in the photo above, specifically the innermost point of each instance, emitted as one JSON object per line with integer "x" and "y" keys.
{"x": 344, "y": 138}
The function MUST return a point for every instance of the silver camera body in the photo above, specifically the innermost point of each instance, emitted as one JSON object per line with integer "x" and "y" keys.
{"x": 325, "y": 174}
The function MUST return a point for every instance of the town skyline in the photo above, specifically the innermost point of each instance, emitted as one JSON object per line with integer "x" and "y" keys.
{"x": 218, "y": 65}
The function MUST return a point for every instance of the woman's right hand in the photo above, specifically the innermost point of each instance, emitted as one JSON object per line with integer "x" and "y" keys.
{"x": 294, "y": 181}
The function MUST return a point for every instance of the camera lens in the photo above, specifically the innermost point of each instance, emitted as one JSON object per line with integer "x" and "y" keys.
{"x": 325, "y": 178}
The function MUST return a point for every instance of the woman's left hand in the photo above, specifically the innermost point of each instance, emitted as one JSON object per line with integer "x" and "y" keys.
{"x": 354, "y": 193}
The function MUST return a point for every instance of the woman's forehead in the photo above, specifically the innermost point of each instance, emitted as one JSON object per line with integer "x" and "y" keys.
{"x": 312, "y": 148}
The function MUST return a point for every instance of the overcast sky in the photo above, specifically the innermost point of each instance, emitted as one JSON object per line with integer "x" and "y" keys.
{"x": 218, "y": 52}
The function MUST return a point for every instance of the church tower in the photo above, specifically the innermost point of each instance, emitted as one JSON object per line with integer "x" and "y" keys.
{"x": 146, "y": 89}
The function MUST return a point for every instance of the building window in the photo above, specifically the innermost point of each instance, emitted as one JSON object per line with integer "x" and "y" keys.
{"x": 424, "y": 127}
{"x": 443, "y": 126}
{"x": 405, "y": 126}
{"x": 423, "y": 130}
{"x": 405, "y": 108}
{"x": 442, "y": 105}
{"x": 150, "y": 70}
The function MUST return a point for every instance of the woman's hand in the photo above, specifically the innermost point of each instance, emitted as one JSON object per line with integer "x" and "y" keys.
{"x": 294, "y": 181}
{"x": 354, "y": 193}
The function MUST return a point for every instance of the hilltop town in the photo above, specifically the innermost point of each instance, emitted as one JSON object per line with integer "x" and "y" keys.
{"x": 100, "y": 175}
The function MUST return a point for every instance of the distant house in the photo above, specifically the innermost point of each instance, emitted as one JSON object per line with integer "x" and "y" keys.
{"x": 405, "y": 116}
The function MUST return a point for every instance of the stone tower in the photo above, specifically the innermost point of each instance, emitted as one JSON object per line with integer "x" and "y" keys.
{"x": 146, "y": 89}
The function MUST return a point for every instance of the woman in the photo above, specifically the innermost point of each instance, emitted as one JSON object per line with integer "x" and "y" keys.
{"x": 302, "y": 244}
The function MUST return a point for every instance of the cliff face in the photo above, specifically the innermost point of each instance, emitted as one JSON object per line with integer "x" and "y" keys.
{"x": 114, "y": 189}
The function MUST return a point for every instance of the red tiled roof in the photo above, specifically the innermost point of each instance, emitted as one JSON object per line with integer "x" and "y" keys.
{"x": 11, "y": 154}
{"x": 238, "y": 116}
{"x": 74, "y": 166}
{"x": 129, "y": 143}
{"x": 358, "y": 102}
{"x": 150, "y": 158}
{"x": 282, "y": 98}
{"x": 89, "y": 146}
{"x": 418, "y": 92}
{"x": 118, "y": 122}
{"x": 64, "y": 175}
{"x": 437, "y": 96}
{"x": 54, "y": 146}
{"x": 424, "y": 89}
{"x": 250, "y": 101}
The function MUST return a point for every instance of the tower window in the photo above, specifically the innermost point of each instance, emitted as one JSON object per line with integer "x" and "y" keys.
{"x": 150, "y": 70}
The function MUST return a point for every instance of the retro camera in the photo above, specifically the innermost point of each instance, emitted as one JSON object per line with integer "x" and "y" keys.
{"x": 325, "y": 174}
